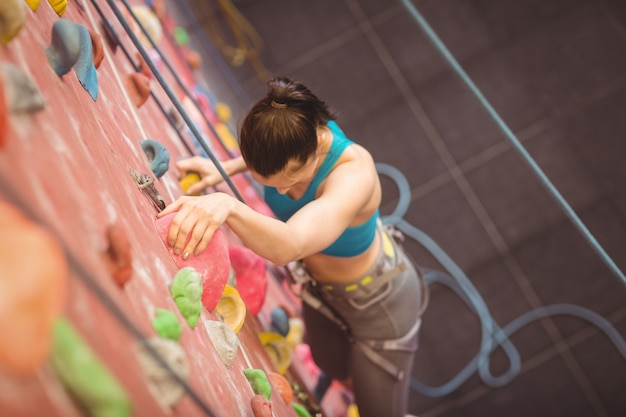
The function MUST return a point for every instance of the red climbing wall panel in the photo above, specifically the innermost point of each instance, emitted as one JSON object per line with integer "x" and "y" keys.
{"x": 70, "y": 163}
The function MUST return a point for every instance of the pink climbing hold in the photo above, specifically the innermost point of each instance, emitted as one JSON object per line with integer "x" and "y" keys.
{"x": 213, "y": 263}
{"x": 251, "y": 273}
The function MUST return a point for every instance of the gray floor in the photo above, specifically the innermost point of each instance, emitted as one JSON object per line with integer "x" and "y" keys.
{"x": 555, "y": 72}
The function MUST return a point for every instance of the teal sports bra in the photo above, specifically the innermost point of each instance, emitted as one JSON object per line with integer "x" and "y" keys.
{"x": 354, "y": 240}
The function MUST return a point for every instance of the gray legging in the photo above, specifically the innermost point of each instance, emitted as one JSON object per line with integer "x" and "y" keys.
{"x": 377, "y": 392}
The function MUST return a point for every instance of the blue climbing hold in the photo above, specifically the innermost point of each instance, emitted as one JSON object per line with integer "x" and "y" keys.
{"x": 71, "y": 48}
{"x": 279, "y": 321}
{"x": 158, "y": 156}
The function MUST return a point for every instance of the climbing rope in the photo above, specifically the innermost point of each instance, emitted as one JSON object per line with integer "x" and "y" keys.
{"x": 493, "y": 336}
{"x": 142, "y": 51}
{"x": 248, "y": 42}
{"x": 441, "y": 47}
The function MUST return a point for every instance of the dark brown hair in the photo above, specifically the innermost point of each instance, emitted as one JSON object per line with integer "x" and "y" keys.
{"x": 282, "y": 126}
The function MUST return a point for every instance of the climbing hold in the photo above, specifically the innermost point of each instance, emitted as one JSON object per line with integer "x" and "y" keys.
{"x": 261, "y": 407}
{"x": 33, "y": 4}
{"x": 186, "y": 289}
{"x": 226, "y": 136}
{"x": 110, "y": 35}
{"x": 150, "y": 23}
{"x": 213, "y": 263}
{"x": 142, "y": 66}
{"x": 159, "y": 7}
{"x": 118, "y": 255}
{"x": 188, "y": 180}
{"x": 296, "y": 332}
{"x": 223, "y": 112}
{"x": 277, "y": 349}
{"x": 71, "y": 47}
{"x": 224, "y": 340}
{"x": 59, "y": 6}
{"x": 21, "y": 92}
{"x": 12, "y": 18}
{"x": 258, "y": 382}
{"x": 279, "y": 321}
{"x": 280, "y": 383}
{"x": 158, "y": 156}
{"x": 166, "y": 324}
{"x": 161, "y": 382}
{"x": 251, "y": 273}
{"x": 300, "y": 410}
{"x": 97, "y": 48}
{"x": 353, "y": 411}
{"x": 194, "y": 59}
{"x": 33, "y": 279}
{"x": 231, "y": 308}
{"x": 181, "y": 36}
{"x": 138, "y": 87}
{"x": 85, "y": 376}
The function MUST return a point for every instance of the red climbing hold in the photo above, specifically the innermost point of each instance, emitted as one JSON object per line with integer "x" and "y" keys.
{"x": 118, "y": 255}
{"x": 251, "y": 274}
{"x": 213, "y": 263}
{"x": 138, "y": 87}
{"x": 261, "y": 407}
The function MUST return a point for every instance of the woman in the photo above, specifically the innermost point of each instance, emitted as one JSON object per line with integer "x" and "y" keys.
{"x": 362, "y": 295}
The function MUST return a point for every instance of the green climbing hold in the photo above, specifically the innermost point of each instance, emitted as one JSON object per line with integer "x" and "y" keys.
{"x": 300, "y": 410}
{"x": 186, "y": 289}
{"x": 259, "y": 382}
{"x": 85, "y": 376}
{"x": 166, "y": 324}
{"x": 181, "y": 36}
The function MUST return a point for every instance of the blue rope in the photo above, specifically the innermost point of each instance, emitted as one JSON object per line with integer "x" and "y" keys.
{"x": 511, "y": 136}
{"x": 493, "y": 336}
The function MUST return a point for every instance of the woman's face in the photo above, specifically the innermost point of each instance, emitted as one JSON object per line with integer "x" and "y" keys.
{"x": 294, "y": 175}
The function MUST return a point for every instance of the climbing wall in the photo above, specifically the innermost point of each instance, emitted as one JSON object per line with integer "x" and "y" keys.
{"x": 66, "y": 164}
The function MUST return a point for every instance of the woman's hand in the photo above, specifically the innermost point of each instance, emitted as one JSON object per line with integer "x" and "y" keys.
{"x": 197, "y": 219}
{"x": 209, "y": 174}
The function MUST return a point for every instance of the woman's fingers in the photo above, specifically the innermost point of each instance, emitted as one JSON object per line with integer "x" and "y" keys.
{"x": 175, "y": 206}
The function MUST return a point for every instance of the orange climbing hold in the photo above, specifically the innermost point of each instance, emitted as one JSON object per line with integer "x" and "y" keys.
{"x": 282, "y": 385}
{"x": 96, "y": 47}
{"x": 33, "y": 279}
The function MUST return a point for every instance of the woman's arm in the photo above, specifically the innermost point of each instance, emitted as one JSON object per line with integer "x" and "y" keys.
{"x": 310, "y": 230}
{"x": 209, "y": 174}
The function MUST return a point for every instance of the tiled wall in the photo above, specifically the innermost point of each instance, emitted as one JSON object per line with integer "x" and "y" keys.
{"x": 555, "y": 72}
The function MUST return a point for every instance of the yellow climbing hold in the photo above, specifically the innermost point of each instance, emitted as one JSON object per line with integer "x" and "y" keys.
{"x": 188, "y": 180}
{"x": 33, "y": 4}
{"x": 231, "y": 308}
{"x": 12, "y": 18}
{"x": 223, "y": 112}
{"x": 59, "y": 6}
{"x": 353, "y": 411}
{"x": 277, "y": 349}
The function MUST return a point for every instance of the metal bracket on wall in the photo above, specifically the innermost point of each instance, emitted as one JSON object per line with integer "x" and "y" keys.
{"x": 146, "y": 184}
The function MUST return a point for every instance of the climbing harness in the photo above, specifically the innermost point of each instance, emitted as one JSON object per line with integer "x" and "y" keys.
{"x": 370, "y": 289}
